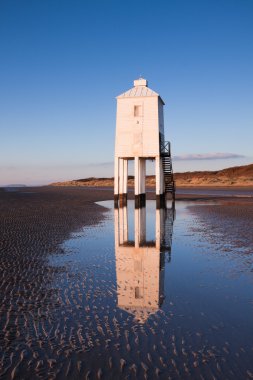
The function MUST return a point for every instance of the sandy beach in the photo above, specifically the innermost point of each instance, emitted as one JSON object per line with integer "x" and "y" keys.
{"x": 36, "y": 336}
{"x": 34, "y": 222}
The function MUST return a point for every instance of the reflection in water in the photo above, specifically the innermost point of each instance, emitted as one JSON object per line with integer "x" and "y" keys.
{"x": 140, "y": 263}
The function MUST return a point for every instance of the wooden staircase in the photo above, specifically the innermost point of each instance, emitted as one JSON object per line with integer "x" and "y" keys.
{"x": 167, "y": 169}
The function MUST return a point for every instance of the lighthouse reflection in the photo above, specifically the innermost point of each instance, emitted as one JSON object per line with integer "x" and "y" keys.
{"x": 140, "y": 262}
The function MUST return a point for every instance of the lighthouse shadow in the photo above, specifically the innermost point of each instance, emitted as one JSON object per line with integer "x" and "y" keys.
{"x": 143, "y": 241}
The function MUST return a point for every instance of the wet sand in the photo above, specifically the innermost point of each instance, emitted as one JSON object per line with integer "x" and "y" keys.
{"x": 228, "y": 225}
{"x": 34, "y": 222}
{"x": 37, "y": 339}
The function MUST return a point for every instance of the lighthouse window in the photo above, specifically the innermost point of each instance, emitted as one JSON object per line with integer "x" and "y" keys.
{"x": 137, "y": 110}
{"x": 138, "y": 292}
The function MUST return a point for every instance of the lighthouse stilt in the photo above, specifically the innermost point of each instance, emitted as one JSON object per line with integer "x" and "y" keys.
{"x": 139, "y": 182}
{"x": 123, "y": 173}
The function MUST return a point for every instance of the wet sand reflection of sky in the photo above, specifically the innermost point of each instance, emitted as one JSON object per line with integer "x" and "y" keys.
{"x": 141, "y": 295}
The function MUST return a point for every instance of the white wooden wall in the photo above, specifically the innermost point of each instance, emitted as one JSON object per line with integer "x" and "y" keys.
{"x": 138, "y": 136}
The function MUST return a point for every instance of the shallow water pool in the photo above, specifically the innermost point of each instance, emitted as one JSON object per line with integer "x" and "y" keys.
{"x": 145, "y": 295}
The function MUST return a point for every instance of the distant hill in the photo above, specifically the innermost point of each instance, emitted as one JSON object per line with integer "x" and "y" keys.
{"x": 235, "y": 176}
{"x": 15, "y": 185}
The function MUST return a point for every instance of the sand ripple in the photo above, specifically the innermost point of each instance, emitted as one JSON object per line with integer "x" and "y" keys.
{"x": 59, "y": 315}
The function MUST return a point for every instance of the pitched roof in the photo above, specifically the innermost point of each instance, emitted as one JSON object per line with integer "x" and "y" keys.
{"x": 139, "y": 90}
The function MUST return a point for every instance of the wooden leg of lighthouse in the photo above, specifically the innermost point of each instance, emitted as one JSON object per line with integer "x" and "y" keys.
{"x": 125, "y": 167}
{"x": 160, "y": 220}
{"x": 116, "y": 182}
{"x": 160, "y": 195}
{"x": 125, "y": 220}
{"x": 142, "y": 228}
{"x": 139, "y": 226}
{"x": 122, "y": 182}
{"x": 143, "y": 181}
{"x": 139, "y": 182}
{"x": 123, "y": 225}
{"x": 136, "y": 181}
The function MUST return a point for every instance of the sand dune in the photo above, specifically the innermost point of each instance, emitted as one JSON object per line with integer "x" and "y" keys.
{"x": 235, "y": 176}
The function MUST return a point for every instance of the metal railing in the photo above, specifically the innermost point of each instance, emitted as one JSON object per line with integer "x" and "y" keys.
{"x": 165, "y": 147}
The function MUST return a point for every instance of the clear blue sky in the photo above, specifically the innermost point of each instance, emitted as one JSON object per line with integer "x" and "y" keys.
{"x": 62, "y": 63}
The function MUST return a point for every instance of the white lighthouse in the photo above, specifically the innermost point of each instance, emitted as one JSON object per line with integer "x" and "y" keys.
{"x": 140, "y": 137}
